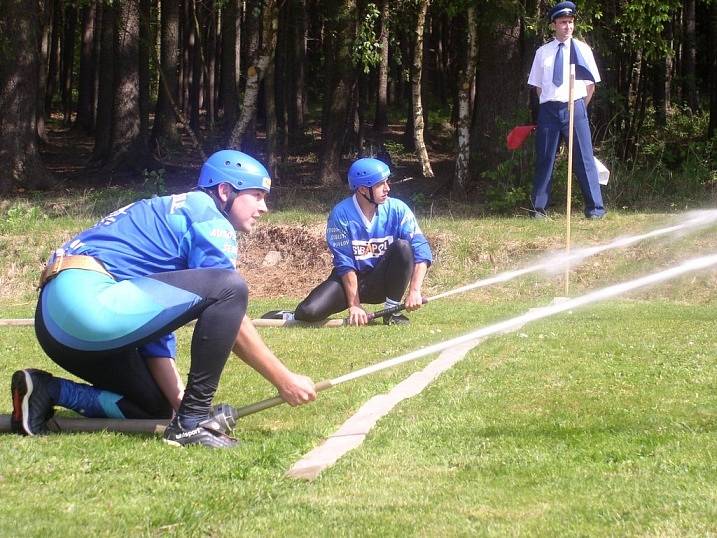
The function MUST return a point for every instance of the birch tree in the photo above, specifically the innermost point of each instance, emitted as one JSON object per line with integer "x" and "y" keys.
{"x": 416, "y": 75}
{"x": 465, "y": 80}
{"x": 256, "y": 72}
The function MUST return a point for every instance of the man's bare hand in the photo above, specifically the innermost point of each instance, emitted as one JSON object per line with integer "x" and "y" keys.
{"x": 297, "y": 389}
{"x": 357, "y": 316}
{"x": 413, "y": 301}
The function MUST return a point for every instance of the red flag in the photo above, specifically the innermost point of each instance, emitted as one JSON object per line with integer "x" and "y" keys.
{"x": 517, "y": 136}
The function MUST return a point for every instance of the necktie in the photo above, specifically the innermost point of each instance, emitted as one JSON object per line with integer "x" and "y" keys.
{"x": 558, "y": 66}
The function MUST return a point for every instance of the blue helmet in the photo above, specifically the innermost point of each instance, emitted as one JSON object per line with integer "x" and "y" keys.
{"x": 236, "y": 168}
{"x": 367, "y": 172}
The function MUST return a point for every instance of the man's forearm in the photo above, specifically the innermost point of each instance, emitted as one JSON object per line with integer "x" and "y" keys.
{"x": 165, "y": 374}
{"x": 419, "y": 273}
{"x": 591, "y": 91}
{"x": 350, "y": 282}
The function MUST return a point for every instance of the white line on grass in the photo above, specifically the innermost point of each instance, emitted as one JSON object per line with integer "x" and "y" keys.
{"x": 353, "y": 432}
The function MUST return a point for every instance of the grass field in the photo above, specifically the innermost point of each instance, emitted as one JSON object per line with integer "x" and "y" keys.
{"x": 602, "y": 421}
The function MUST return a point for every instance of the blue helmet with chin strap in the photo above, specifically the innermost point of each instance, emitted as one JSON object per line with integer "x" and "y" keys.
{"x": 236, "y": 168}
{"x": 367, "y": 172}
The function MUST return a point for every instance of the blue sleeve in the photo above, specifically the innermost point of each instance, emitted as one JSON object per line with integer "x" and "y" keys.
{"x": 338, "y": 238}
{"x": 411, "y": 232}
{"x": 211, "y": 243}
{"x": 165, "y": 346}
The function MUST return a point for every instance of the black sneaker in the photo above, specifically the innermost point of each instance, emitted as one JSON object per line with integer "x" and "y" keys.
{"x": 395, "y": 319}
{"x": 31, "y": 402}
{"x": 286, "y": 315}
{"x": 176, "y": 435}
{"x": 222, "y": 417}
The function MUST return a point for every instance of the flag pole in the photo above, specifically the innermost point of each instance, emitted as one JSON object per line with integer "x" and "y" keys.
{"x": 568, "y": 203}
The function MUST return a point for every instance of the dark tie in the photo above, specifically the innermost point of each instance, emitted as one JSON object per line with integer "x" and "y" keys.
{"x": 558, "y": 66}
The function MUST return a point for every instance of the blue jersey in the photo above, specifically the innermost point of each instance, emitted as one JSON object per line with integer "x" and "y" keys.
{"x": 156, "y": 235}
{"x": 169, "y": 233}
{"x": 358, "y": 244}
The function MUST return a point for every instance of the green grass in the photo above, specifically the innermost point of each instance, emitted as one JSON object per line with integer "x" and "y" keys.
{"x": 598, "y": 422}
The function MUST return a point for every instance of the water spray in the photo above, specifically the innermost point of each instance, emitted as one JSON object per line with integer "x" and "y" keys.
{"x": 155, "y": 426}
{"x": 552, "y": 264}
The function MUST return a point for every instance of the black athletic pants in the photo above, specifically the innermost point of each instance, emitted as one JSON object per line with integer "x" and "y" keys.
{"x": 389, "y": 279}
{"x": 124, "y": 371}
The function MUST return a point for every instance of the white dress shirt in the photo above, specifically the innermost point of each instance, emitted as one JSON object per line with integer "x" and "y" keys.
{"x": 541, "y": 73}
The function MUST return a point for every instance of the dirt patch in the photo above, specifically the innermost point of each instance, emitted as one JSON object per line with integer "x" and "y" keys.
{"x": 281, "y": 261}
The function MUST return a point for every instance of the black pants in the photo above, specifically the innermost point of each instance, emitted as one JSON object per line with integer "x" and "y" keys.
{"x": 124, "y": 371}
{"x": 389, "y": 279}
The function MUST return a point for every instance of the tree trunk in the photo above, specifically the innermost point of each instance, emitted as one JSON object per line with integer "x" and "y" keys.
{"x": 712, "y": 127}
{"x": 129, "y": 147}
{"x": 96, "y": 48}
{"x": 164, "y": 131}
{"x": 465, "y": 81}
{"x": 68, "y": 61}
{"x": 271, "y": 123}
{"x": 296, "y": 72}
{"x": 22, "y": 166}
{"x": 105, "y": 87}
{"x": 689, "y": 57}
{"x": 145, "y": 45}
{"x": 230, "y": 96}
{"x": 380, "y": 123}
{"x": 54, "y": 55}
{"x": 257, "y": 71}
{"x": 501, "y": 84}
{"x": 44, "y": 21}
{"x": 418, "y": 123}
{"x": 340, "y": 81}
{"x": 86, "y": 87}
{"x": 208, "y": 16}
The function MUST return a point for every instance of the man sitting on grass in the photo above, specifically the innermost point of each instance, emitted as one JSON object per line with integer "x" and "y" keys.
{"x": 111, "y": 297}
{"x": 378, "y": 250}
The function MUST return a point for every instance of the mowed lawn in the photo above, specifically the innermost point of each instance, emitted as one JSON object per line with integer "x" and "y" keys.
{"x": 601, "y": 421}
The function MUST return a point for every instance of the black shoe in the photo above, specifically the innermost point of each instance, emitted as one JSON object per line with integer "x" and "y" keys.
{"x": 222, "y": 417}
{"x": 395, "y": 319}
{"x": 286, "y": 315}
{"x": 31, "y": 402}
{"x": 203, "y": 435}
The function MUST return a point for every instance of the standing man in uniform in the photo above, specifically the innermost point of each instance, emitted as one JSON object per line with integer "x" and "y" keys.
{"x": 550, "y": 75}
{"x": 378, "y": 251}
{"x": 112, "y": 296}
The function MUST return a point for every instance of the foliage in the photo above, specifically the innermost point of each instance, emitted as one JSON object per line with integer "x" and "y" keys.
{"x": 154, "y": 183}
{"x": 672, "y": 165}
{"x": 366, "y": 51}
{"x": 642, "y": 25}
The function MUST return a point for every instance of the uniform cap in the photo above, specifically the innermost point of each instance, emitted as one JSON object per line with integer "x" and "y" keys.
{"x": 563, "y": 9}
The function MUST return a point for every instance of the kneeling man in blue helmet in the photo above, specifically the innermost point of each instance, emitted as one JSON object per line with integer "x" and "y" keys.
{"x": 378, "y": 251}
{"x": 112, "y": 296}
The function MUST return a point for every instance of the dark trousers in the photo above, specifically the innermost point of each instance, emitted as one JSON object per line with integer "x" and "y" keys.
{"x": 553, "y": 124}
{"x": 124, "y": 371}
{"x": 389, "y": 279}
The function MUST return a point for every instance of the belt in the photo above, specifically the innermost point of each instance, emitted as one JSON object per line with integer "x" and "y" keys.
{"x": 62, "y": 262}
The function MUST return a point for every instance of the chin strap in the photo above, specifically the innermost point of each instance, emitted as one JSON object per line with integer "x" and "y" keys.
{"x": 224, "y": 208}
{"x": 369, "y": 199}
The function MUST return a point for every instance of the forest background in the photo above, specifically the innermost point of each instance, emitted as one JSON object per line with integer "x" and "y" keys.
{"x": 143, "y": 90}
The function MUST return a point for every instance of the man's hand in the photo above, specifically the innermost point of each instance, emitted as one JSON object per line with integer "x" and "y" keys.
{"x": 297, "y": 389}
{"x": 413, "y": 301}
{"x": 357, "y": 316}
